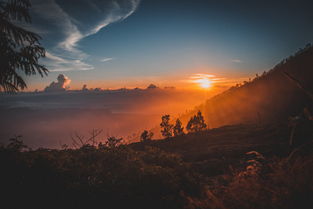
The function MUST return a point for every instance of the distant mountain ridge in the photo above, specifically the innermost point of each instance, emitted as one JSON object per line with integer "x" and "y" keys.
{"x": 267, "y": 98}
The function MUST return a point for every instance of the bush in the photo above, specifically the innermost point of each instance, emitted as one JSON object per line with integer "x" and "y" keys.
{"x": 93, "y": 178}
{"x": 282, "y": 185}
{"x": 146, "y": 136}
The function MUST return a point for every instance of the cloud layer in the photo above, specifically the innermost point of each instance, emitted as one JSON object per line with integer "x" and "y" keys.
{"x": 61, "y": 84}
{"x": 64, "y": 23}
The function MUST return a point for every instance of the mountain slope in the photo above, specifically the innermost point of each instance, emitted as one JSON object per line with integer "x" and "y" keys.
{"x": 269, "y": 97}
{"x": 213, "y": 151}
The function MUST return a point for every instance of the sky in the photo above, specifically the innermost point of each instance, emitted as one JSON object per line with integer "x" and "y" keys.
{"x": 130, "y": 43}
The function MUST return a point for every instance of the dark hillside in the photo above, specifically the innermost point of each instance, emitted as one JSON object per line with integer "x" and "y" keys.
{"x": 213, "y": 151}
{"x": 267, "y": 98}
{"x": 210, "y": 169}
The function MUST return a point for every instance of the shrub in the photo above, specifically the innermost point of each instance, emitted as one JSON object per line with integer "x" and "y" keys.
{"x": 146, "y": 136}
{"x": 113, "y": 142}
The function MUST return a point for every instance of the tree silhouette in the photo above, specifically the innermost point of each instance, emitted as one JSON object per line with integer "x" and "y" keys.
{"x": 196, "y": 123}
{"x": 146, "y": 136}
{"x": 113, "y": 142}
{"x": 178, "y": 129}
{"x": 16, "y": 144}
{"x": 20, "y": 49}
{"x": 166, "y": 127}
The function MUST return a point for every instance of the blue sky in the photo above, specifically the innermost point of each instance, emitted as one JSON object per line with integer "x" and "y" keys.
{"x": 111, "y": 43}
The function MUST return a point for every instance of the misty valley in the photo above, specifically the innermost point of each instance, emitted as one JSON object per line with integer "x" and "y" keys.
{"x": 124, "y": 113}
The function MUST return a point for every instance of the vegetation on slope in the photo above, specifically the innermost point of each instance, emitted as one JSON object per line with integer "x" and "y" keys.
{"x": 242, "y": 166}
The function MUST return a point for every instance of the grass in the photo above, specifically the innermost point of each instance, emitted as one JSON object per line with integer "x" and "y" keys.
{"x": 241, "y": 166}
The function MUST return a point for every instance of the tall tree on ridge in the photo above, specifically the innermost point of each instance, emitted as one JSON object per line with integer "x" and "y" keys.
{"x": 167, "y": 128}
{"x": 178, "y": 129}
{"x": 196, "y": 123}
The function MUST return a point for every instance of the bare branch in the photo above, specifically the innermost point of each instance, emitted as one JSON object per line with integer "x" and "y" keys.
{"x": 78, "y": 140}
{"x": 298, "y": 84}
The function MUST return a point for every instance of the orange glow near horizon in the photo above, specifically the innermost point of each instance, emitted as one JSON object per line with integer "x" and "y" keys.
{"x": 192, "y": 82}
{"x": 204, "y": 81}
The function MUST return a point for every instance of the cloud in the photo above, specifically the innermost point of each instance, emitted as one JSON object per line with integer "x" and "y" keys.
{"x": 102, "y": 16}
{"x": 106, "y": 59}
{"x": 67, "y": 22}
{"x": 200, "y": 75}
{"x": 59, "y": 64}
{"x": 236, "y": 60}
{"x": 59, "y": 86}
{"x": 195, "y": 78}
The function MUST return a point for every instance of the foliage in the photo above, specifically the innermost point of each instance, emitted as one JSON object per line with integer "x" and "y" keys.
{"x": 285, "y": 185}
{"x": 16, "y": 144}
{"x": 163, "y": 174}
{"x": 20, "y": 49}
{"x": 113, "y": 142}
{"x": 95, "y": 178}
{"x": 196, "y": 123}
{"x": 146, "y": 136}
{"x": 166, "y": 127}
{"x": 178, "y": 129}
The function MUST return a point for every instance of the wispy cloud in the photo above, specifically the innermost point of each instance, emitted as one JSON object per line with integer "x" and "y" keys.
{"x": 68, "y": 28}
{"x": 59, "y": 64}
{"x": 106, "y": 59}
{"x": 194, "y": 78}
{"x": 115, "y": 14}
{"x": 236, "y": 60}
{"x": 200, "y": 75}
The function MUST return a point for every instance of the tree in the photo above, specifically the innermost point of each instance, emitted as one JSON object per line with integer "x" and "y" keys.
{"x": 146, "y": 136}
{"x": 20, "y": 49}
{"x": 196, "y": 123}
{"x": 166, "y": 127}
{"x": 178, "y": 129}
{"x": 16, "y": 144}
{"x": 113, "y": 142}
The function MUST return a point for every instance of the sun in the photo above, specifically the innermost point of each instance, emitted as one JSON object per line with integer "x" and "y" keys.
{"x": 204, "y": 83}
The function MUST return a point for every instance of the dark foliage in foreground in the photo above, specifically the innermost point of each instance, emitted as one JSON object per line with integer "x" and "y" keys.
{"x": 90, "y": 178}
{"x": 209, "y": 169}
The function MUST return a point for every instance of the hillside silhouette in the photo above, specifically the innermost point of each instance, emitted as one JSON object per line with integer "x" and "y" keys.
{"x": 271, "y": 96}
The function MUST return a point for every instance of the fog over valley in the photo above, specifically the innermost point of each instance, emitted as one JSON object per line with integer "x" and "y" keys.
{"x": 49, "y": 118}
